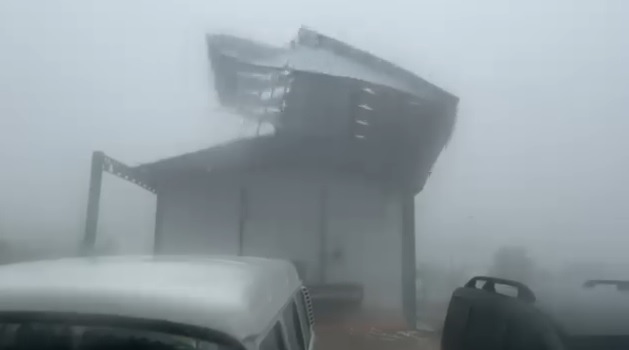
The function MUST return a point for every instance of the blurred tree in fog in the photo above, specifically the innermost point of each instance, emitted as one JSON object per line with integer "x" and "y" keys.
{"x": 513, "y": 262}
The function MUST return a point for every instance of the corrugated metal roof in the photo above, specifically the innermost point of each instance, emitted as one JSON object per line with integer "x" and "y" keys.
{"x": 314, "y": 52}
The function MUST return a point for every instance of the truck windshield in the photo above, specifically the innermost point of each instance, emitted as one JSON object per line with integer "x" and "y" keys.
{"x": 58, "y": 335}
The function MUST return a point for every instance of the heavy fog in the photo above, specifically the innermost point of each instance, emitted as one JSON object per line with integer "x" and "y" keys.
{"x": 538, "y": 159}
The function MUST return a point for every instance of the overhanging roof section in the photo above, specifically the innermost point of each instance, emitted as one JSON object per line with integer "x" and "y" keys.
{"x": 256, "y": 79}
{"x": 314, "y": 52}
{"x": 392, "y": 75}
{"x": 330, "y": 104}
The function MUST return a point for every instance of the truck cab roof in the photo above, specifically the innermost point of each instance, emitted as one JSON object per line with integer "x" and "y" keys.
{"x": 237, "y": 296}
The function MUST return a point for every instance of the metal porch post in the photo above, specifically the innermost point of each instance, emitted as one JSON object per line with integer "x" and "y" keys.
{"x": 409, "y": 293}
{"x": 93, "y": 202}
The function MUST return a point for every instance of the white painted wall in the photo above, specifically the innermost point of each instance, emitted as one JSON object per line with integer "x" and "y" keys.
{"x": 128, "y": 230}
{"x": 366, "y": 223}
{"x": 363, "y": 230}
{"x": 200, "y": 218}
{"x": 283, "y": 219}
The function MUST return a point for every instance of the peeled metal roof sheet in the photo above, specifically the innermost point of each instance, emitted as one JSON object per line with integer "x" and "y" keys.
{"x": 315, "y": 52}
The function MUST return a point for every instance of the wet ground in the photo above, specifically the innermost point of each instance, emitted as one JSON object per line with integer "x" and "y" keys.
{"x": 375, "y": 331}
{"x": 375, "y": 340}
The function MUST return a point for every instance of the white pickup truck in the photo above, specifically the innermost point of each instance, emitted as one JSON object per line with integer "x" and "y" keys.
{"x": 168, "y": 302}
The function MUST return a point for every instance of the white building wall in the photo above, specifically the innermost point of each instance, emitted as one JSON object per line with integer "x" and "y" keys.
{"x": 199, "y": 218}
{"x": 282, "y": 220}
{"x": 363, "y": 226}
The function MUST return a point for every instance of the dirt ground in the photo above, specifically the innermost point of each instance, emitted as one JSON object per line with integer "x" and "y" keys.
{"x": 379, "y": 331}
{"x": 412, "y": 340}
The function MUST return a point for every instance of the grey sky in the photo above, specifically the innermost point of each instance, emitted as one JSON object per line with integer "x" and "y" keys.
{"x": 539, "y": 156}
